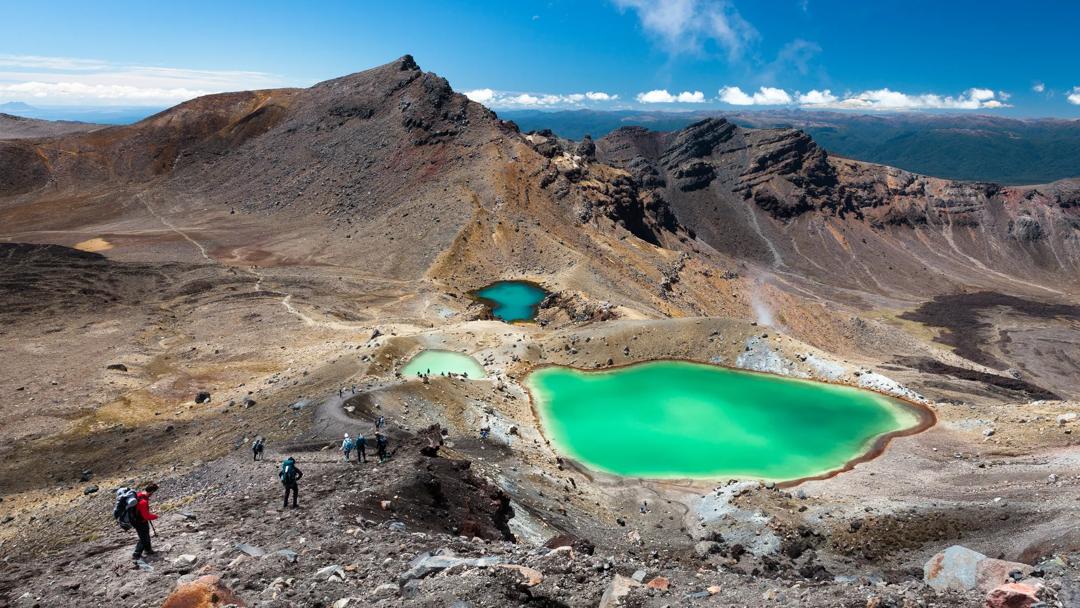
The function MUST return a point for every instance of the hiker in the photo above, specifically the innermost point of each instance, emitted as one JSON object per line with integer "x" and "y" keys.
{"x": 257, "y": 448}
{"x": 361, "y": 448}
{"x": 141, "y": 522}
{"x": 380, "y": 422}
{"x": 346, "y": 447}
{"x": 380, "y": 444}
{"x": 290, "y": 474}
{"x": 485, "y": 431}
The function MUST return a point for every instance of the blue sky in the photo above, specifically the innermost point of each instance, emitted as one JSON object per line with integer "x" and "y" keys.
{"x": 989, "y": 56}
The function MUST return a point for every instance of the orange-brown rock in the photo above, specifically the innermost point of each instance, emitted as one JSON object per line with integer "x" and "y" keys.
{"x": 203, "y": 592}
{"x": 1013, "y": 595}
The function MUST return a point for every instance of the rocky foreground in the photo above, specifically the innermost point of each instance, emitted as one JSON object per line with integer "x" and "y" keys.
{"x": 426, "y": 529}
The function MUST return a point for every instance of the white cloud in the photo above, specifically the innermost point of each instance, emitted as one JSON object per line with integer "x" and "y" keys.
{"x": 1074, "y": 96}
{"x": 816, "y": 97}
{"x": 95, "y": 92}
{"x": 69, "y": 80}
{"x": 765, "y": 96}
{"x": 50, "y": 63}
{"x": 887, "y": 99}
{"x": 1038, "y": 87}
{"x": 662, "y": 96}
{"x": 480, "y": 95}
{"x": 506, "y": 99}
{"x": 689, "y": 26}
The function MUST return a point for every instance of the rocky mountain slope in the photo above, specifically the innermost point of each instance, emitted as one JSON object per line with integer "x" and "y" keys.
{"x": 286, "y": 251}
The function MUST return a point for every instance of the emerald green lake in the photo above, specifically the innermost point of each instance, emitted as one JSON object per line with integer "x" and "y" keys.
{"x": 675, "y": 419}
{"x": 512, "y": 301}
{"x": 440, "y": 362}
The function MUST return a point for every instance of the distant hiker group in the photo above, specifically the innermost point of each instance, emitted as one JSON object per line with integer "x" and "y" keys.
{"x": 359, "y": 443}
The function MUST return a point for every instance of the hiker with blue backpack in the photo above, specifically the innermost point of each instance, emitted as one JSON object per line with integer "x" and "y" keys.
{"x": 346, "y": 447}
{"x": 289, "y": 475}
{"x": 132, "y": 510}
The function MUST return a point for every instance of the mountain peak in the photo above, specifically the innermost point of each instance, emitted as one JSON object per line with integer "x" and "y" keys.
{"x": 406, "y": 62}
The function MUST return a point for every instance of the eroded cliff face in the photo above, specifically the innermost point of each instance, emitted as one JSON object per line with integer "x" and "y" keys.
{"x": 775, "y": 197}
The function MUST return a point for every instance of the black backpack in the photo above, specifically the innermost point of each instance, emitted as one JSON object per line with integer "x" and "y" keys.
{"x": 124, "y": 510}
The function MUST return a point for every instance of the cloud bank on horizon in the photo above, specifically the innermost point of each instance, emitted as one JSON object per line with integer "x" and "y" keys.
{"x": 74, "y": 81}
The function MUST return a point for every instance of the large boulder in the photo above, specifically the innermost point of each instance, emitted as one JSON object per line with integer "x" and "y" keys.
{"x": 203, "y": 592}
{"x": 962, "y": 569}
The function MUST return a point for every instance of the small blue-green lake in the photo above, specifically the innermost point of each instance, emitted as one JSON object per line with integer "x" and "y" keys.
{"x": 512, "y": 301}
{"x": 441, "y": 363}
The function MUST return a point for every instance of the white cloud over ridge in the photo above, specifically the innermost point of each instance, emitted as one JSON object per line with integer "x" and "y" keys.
{"x": 689, "y": 26}
{"x": 504, "y": 99}
{"x": 879, "y": 99}
{"x": 69, "y": 80}
{"x": 888, "y": 100}
{"x": 1038, "y": 87}
{"x": 662, "y": 96}
{"x": 765, "y": 96}
{"x": 1074, "y": 96}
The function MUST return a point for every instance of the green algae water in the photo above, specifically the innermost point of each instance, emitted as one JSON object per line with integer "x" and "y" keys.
{"x": 675, "y": 419}
{"x": 441, "y": 362}
{"x": 512, "y": 301}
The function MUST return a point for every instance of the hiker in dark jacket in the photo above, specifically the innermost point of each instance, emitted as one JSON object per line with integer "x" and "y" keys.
{"x": 361, "y": 447}
{"x": 257, "y": 449}
{"x": 141, "y": 522}
{"x": 380, "y": 444}
{"x": 290, "y": 474}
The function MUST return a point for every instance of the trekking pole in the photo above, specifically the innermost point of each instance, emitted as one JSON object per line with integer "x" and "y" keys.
{"x": 153, "y": 528}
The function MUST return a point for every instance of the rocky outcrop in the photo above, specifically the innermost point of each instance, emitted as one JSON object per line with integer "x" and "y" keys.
{"x": 601, "y": 190}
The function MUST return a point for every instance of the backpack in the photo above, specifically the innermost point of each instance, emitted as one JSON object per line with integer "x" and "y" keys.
{"x": 347, "y": 445}
{"x": 360, "y": 441}
{"x": 124, "y": 509}
{"x": 288, "y": 473}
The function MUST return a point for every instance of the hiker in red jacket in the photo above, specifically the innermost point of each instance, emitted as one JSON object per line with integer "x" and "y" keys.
{"x": 142, "y": 520}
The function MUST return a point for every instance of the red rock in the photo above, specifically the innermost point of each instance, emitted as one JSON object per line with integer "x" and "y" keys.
{"x": 659, "y": 583}
{"x": 203, "y": 592}
{"x": 1012, "y": 595}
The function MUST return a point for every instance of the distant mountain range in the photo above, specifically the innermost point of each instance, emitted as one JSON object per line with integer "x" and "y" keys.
{"x": 102, "y": 115}
{"x": 961, "y": 147}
